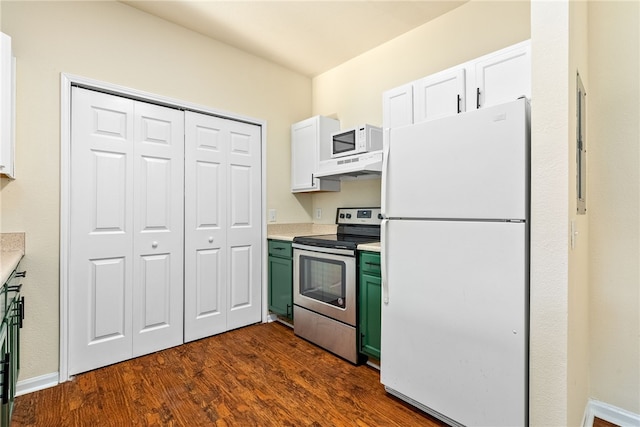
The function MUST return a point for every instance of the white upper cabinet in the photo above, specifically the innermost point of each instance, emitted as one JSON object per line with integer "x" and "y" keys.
{"x": 311, "y": 143}
{"x": 397, "y": 109}
{"x": 439, "y": 95}
{"x": 503, "y": 76}
{"x": 496, "y": 78}
{"x": 7, "y": 107}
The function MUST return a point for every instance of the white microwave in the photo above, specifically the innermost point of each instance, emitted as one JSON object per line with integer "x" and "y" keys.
{"x": 361, "y": 139}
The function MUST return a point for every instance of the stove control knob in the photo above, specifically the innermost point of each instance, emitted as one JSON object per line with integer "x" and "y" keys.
{"x": 379, "y": 216}
{"x": 341, "y": 215}
{"x": 348, "y": 216}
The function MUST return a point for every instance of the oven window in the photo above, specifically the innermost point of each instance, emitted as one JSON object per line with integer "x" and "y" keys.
{"x": 323, "y": 280}
{"x": 344, "y": 142}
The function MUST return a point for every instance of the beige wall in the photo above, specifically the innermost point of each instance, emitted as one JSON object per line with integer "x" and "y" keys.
{"x": 112, "y": 42}
{"x": 559, "y": 358}
{"x": 613, "y": 147}
{"x": 578, "y": 285}
{"x": 352, "y": 92}
{"x": 549, "y": 214}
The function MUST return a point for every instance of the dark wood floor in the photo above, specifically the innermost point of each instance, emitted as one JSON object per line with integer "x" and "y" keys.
{"x": 261, "y": 375}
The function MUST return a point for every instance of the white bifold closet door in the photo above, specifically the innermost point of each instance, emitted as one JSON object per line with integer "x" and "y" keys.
{"x": 126, "y": 248}
{"x": 222, "y": 225}
{"x": 165, "y": 228}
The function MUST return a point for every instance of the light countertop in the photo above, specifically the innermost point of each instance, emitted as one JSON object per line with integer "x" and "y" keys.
{"x": 11, "y": 252}
{"x": 287, "y": 232}
{"x": 371, "y": 247}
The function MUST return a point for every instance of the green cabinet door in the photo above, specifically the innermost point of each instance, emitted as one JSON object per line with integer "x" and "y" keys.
{"x": 370, "y": 304}
{"x": 281, "y": 278}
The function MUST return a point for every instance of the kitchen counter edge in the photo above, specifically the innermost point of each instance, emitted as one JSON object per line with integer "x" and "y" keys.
{"x": 286, "y": 232}
{"x": 12, "y": 247}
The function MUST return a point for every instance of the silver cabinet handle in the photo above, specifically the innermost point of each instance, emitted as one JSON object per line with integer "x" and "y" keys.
{"x": 210, "y": 239}
{"x": 154, "y": 245}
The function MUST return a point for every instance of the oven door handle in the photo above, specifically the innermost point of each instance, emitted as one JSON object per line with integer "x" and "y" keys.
{"x": 383, "y": 260}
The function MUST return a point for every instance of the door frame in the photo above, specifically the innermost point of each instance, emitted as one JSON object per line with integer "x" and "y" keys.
{"x": 66, "y": 82}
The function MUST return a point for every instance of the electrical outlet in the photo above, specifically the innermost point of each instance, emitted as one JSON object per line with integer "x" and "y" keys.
{"x": 272, "y": 215}
{"x": 318, "y": 213}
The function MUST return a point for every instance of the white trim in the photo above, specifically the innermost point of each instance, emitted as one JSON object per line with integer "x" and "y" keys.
{"x": 609, "y": 413}
{"x": 68, "y": 80}
{"x": 37, "y": 383}
{"x": 65, "y": 191}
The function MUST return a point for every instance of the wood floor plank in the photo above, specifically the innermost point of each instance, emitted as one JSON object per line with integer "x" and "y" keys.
{"x": 261, "y": 375}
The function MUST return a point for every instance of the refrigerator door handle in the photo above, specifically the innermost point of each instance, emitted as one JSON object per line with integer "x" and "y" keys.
{"x": 383, "y": 260}
{"x": 385, "y": 172}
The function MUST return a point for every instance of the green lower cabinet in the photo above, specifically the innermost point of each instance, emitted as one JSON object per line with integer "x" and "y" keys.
{"x": 370, "y": 304}
{"x": 281, "y": 278}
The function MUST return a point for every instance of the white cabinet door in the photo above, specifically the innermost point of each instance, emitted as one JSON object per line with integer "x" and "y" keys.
{"x": 7, "y": 107}
{"x": 125, "y": 287}
{"x": 304, "y": 154}
{"x": 397, "y": 106}
{"x": 222, "y": 225}
{"x": 439, "y": 95}
{"x": 310, "y": 143}
{"x": 504, "y": 76}
{"x": 158, "y": 176}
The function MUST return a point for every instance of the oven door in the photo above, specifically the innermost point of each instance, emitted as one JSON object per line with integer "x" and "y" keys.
{"x": 324, "y": 281}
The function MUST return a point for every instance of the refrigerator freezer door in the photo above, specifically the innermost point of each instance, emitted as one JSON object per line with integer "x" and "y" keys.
{"x": 472, "y": 165}
{"x": 454, "y": 330}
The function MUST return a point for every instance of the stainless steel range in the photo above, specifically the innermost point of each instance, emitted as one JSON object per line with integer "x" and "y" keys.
{"x": 324, "y": 281}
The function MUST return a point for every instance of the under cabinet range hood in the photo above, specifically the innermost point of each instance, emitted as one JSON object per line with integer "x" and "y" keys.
{"x": 365, "y": 165}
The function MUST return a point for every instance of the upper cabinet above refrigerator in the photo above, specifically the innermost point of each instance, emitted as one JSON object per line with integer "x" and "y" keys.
{"x": 496, "y": 78}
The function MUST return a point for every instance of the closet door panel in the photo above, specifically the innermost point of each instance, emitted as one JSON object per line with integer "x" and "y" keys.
{"x": 240, "y": 281}
{"x": 205, "y": 292}
{"x": 244, "y": 230}
{"x": 158, "y": 228}
{"x": 101, "y": 236}
{"x": 208, "y": 270}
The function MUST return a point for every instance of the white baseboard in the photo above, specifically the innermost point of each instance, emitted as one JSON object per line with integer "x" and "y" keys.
{"x": 610, "y": 413}
{"x": 271, "y": 317}
{"x": 37, "y": 383}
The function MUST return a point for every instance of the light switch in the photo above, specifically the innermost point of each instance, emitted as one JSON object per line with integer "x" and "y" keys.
{"x": 272, "y": 215}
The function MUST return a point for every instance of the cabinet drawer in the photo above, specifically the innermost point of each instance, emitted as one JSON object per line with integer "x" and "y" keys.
{"x": 370, "y": 263}
{"x": 280, "y": 248}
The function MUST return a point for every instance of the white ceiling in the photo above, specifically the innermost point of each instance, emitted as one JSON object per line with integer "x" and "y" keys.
{"x": 306, "y": 36}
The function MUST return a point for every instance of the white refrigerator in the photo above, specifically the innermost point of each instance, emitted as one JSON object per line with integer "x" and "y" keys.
{"x": 455, "y": 266}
